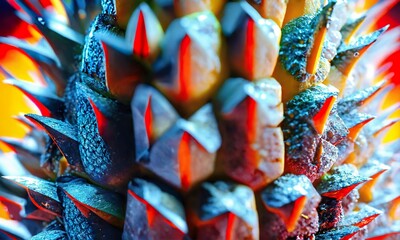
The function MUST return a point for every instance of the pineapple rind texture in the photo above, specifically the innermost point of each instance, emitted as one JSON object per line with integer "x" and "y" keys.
{"x": 293, "y": 59}
{"x": 92, "y": 55}
{"x": 203, "y": 120}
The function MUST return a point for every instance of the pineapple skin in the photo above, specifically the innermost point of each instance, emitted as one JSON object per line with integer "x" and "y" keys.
{"x": 243, "y": 158}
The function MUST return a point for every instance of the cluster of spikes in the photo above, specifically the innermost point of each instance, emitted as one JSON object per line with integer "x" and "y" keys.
{"x": 204, "y": 120}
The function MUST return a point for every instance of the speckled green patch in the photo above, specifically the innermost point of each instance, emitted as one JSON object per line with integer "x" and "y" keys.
{"x": 297, "y": 42}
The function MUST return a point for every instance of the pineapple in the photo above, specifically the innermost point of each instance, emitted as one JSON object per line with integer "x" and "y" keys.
{"x": 203, "y": 120}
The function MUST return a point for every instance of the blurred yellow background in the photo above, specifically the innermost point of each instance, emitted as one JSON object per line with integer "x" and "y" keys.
{"x": 12, "y": 100}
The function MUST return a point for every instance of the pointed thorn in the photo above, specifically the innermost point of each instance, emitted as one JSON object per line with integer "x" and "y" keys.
{"x": 34, "y": 6}
{"x": 374, "y": 91}
{"x": 355, "y": 130}
{"x": 366, "y": 191}
{"x": 342, "y": 233}
{"x": 45, "y": 59}
{"x": 365, "y": 221}
{"x": 387, "y": 112}
{"x": 63, "y": 134}
{"x": 123, "y": 71}
{"x": 360, "y": 98}
{"x": 316, "y": 51}
{"x": 58, "y": 35}
{"x": 144, "y": 32}
{"x": 37, "y": 52}
{"x": 319, "y": 38}
{"x": 18, "y": 146}
{"x": 139, "y": 191}
{"x": 49, "y": 104}
{"x": 394, "y": 209}
{"x": 386, "y": 125}
{"x": 348, "y": 57}
{"x": 377, "y": 102}
{"x": 322, "y": 116}
{"x": 350, "y": 28}
{"x": 24, "y": 121}
{"x": 376, "y": 11}
{"x": 101, "y": 119}
{"x": 14, "y": 230}
{"x": 385, "y": 236}
{"x": 150, "y": 211}
{"x": 383, "y": 72}
{"x": 140, "y": 43}
{"x": 40, "y": 186}
{"x": 207, "y": 136}
{"x": 341, "y": 182}
{"x": 290, "y": 217}
{"x": 14, "y": 205}
{"x": 341, "y": 193}
{"x": 91, "y": 197}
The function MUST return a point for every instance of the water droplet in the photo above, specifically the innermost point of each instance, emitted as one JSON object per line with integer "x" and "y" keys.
{"x": 41, "y": 20}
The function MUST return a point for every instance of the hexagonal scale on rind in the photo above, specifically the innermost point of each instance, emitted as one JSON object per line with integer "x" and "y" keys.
{"x": 249, "y": 115}
{"x": 153, "y": 213}
{"x": 289, "y": 208}
{"x": 224, "y": 210}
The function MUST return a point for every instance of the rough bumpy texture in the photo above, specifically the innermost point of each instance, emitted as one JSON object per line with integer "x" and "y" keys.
{"x": 92, "y": 55}
{"x": 201, "y": 120}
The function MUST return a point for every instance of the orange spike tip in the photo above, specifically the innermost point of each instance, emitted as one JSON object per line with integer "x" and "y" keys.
{"x": 348, "y": 56}
{"x": 355, "y": 130}
{"x": 320, "y": 119}
{"x": 316, "y": 51}
{"x": 339, "y": 194}
{"x": 394, "y": 209}
{"x": 321, "y": 30}
{"x": 340, "y": 182}
{"x": 360, "y": 218}
{"x": 290, "y": 216}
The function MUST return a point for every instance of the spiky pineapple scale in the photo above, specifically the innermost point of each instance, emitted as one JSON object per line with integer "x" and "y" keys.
{"x": 107, "y": 144}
